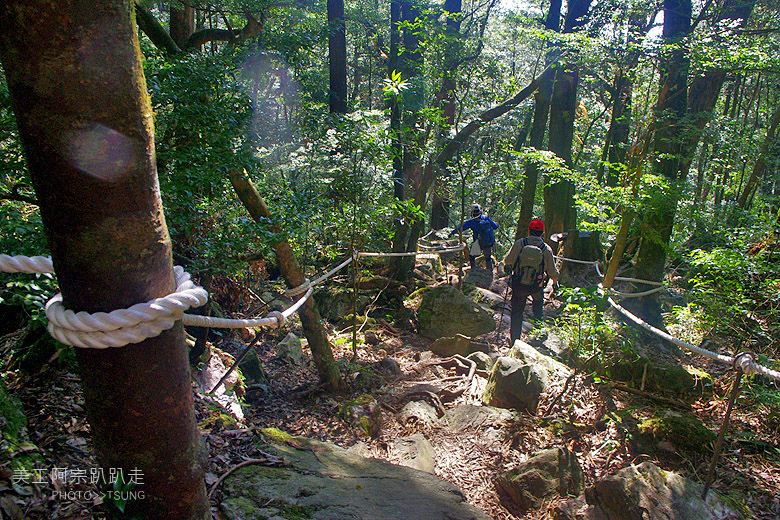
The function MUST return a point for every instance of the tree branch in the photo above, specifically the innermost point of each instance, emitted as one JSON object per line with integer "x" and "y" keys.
{"x": 154, "y": 31}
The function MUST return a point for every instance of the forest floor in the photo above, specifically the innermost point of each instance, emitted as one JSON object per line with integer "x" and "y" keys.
{"x": 748, "y": 472}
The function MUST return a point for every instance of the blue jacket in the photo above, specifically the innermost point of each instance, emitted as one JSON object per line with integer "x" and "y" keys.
{"x": 473, "y": 224}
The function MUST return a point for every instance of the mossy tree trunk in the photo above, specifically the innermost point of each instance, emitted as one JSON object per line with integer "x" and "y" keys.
{"x": 320, "y": 347}
{"x": 560, "y": 213}
{"x": 661, "y": 209}
{"x": 92, "y": 162}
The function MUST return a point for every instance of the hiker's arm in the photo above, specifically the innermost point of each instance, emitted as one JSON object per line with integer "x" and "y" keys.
{"x": 511, "y": 256}
{"x": 549, "y": 265}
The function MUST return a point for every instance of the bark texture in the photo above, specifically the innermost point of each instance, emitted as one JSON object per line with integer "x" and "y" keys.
{"x": 291, "y": 270}
{"x": 337, "y": 57}
{"x": 660, "y": 211}
{"x": 92, "y": 164}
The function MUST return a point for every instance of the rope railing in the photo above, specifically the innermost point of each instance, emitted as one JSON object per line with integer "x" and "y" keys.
{"x": 745, "y": 361}
{"x": 145, "y": 320}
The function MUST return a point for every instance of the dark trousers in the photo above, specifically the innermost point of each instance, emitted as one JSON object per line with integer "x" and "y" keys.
{"x": 519, "y": 297}
{"x": 488, "y": 259}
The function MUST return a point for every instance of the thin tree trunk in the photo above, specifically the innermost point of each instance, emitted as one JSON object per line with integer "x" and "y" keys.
{"x": 315, "y": 333}
{"x": 91, "y": 159}
{"x": 337, "y": 57}
{"x": 760, "y": 168}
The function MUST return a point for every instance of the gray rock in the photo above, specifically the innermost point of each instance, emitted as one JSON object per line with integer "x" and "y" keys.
{"x": 548, "y": 343}
{"x": 496, "y": 301}
{"x": 325, "y": 482}
{"x": 363, "y": 413}
{"x": 290, "y": 348}
{"x": 389, "y": 366}
{"x": 515, "y": 385}
{"x": 458, "y": 344}
{"x": 416, "y": 452}
{"x": 483, "y": 360}
{"x": 549, "y": 473}
{"x": 418, "y": 412}
{"x": 445, "y": 311}
{"x": 252, "y": 369}
{"x": 645, "y": 492}
{"x": 479, "y": 277}
{"x": 530, "y": 356}
{"x": 470, "y": 417}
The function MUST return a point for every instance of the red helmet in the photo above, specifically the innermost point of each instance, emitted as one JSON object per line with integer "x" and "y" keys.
{"x": 536, "y": 225}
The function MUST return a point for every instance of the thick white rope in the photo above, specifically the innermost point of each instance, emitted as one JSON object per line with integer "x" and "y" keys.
{"x": 145, "y": 320}
{"x": 25, "y": 264}
{"x": 746, "y": 362}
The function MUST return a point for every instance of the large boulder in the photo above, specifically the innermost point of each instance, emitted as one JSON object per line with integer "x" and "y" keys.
{"x": 445, "y": 311}
{"x": 515, "y": 385}
{"x": 645, "y": 492}
{"x": 458, "y": 344}
{"x": 552, "y": 472}
{"x": 322, "y": 481}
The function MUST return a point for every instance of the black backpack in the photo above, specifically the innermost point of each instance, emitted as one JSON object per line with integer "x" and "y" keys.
{"x": 528, "y": 271}
{"x": 485, "y": 234}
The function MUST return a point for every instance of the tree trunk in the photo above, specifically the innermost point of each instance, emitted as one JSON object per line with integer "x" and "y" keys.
{"x": 542, "y": 99}
{"x": 661, "y": 209}
{"x": 91, "y": 159}
{"x": 182, "y": 23}
{"x": 760, "y": 168}
{"x": 311, "y": 321}
{"x": 560, "y": 213}
{"x": 337, "y": 57}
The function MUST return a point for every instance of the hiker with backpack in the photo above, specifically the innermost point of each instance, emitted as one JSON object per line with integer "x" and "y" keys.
{"x": 528, "y": 261}
{"x": 484, "y": 230}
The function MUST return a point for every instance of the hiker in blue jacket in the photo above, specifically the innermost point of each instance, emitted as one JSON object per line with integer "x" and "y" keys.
{"x": 484, "y": 230}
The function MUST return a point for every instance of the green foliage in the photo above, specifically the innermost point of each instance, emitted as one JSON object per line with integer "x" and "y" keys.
{"x": 739, "y": 292}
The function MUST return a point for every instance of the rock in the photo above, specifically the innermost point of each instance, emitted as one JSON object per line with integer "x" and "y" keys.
{"x": 481, "y": 418}
{"x": 458, "y": 344}
{"x": 495, "y": 301}
{"x": 674, "y": 432}
{"x": 530, "y": 356}
{"x": 549, "y": 473}
{"x": 479, "y": 277}
{"x": 548, "y": 343}
{"x": 226, "y": 395}
{"x": 334, "y": 302}
{"x": 416, "y": 452}
{"x": 389, "y": 366}
{"x": 365, "y": 414}
{"x": 515, "y": 385}
{"x": 645, "y": 492}
{"x": 326, "y": 482}
{"x": 483, "y": 360}
{"x": 660, "y": 377}
{"x": 371, "y": 338}
{"x": 445, "y": 311}
{"x": 16, "y": 450}
{"x": 252, "y": 369}
{"x": 418, "y": 412}
{"x": 290, "y": 349}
